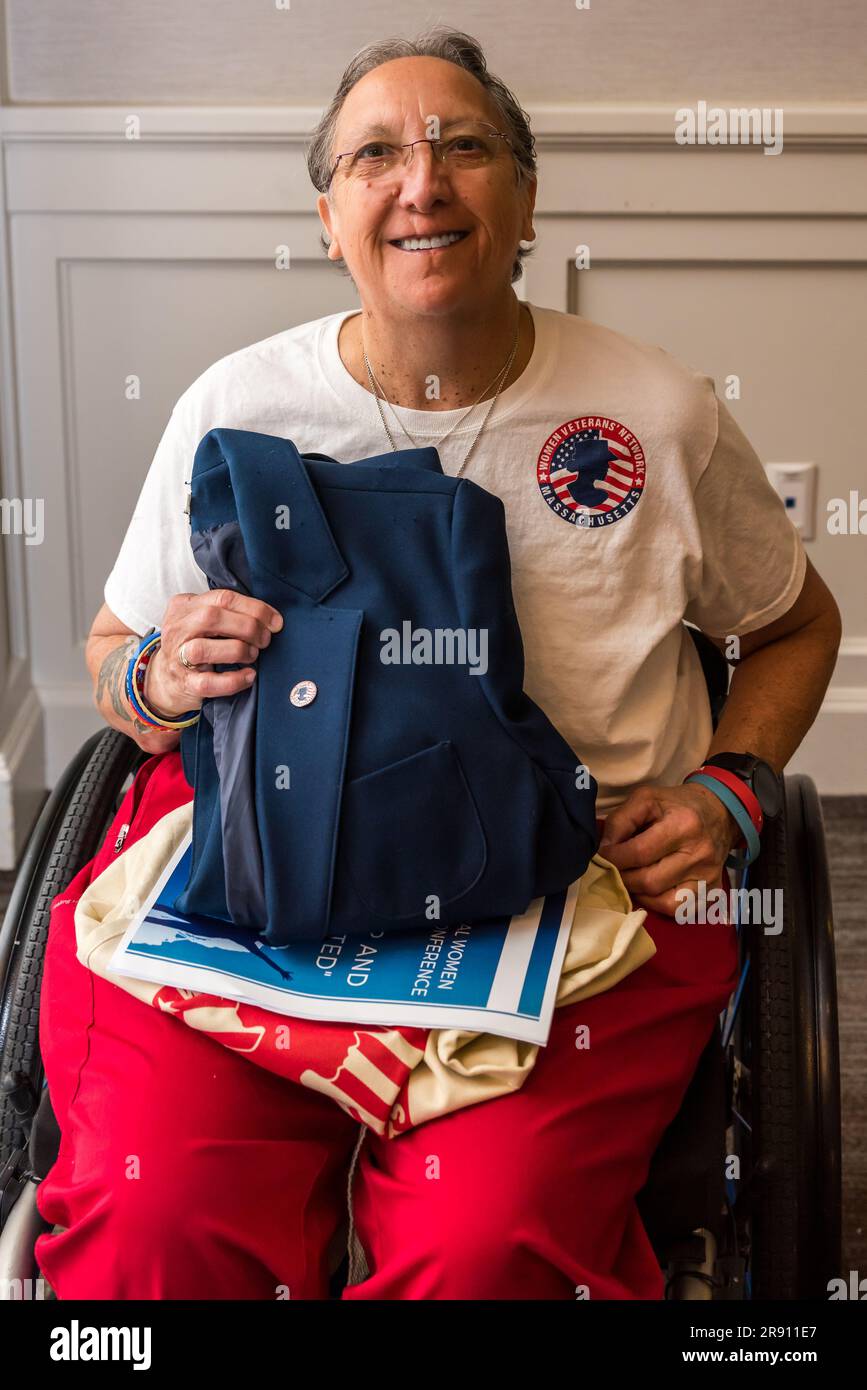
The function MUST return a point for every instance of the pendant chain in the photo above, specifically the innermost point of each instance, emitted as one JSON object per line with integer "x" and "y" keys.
{"x": 499, "y": 379}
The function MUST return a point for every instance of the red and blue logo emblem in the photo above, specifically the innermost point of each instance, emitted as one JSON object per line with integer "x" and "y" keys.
{"x": 591, "y": 471}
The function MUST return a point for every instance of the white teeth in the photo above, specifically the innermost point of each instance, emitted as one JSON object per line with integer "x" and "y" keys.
{"x": 429, "y": 243}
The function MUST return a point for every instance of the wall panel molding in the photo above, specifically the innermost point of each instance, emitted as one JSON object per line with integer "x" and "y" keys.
{"x": 814, "y": 125}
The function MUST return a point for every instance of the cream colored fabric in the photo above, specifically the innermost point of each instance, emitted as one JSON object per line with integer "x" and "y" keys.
{"x": 111, "y": 900}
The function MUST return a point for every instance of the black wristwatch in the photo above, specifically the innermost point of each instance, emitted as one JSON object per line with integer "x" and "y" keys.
{"x": 759, "y": 776}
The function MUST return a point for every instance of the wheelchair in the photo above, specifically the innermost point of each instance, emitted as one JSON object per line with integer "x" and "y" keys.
{"x": 742, "y": 1198}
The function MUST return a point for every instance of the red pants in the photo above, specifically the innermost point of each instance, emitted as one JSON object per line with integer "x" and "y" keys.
{"x": 185, "y": 1171}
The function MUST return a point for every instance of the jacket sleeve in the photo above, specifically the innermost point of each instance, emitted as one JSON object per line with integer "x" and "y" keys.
{"x": 482, "y": 575}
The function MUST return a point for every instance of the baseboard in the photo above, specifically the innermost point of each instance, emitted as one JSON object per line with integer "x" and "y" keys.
{"x": 833, "y": 751}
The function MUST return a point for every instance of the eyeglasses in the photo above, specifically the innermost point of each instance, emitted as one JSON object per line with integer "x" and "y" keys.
{"x": 469, "y": 146}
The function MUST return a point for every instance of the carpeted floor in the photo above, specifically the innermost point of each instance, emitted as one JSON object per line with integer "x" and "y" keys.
{"x": 846, "y": 836}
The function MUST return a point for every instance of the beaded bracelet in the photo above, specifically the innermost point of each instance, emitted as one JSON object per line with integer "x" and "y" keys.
{"x": 135, "y": 679}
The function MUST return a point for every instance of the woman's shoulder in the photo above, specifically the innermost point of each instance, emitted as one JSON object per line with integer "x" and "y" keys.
{"x": 588, "y": 349}
{"x": 581, "y": 334}
{"x": 248, "y": 385}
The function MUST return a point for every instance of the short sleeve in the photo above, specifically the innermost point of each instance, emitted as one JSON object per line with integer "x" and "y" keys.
{"x": 155, "y": 560}
{"x": 753, "y": 558}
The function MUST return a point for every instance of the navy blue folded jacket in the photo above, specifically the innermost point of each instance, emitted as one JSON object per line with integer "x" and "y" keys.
{"x": 385, "y": 771}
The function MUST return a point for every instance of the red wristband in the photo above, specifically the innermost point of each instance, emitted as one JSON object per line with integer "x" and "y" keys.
{"x": 744, "y": 794}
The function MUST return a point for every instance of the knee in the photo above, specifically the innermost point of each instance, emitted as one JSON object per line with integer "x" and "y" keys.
{"x": 150, "y": 1196}
{"x": 152, "y": 1229}
{"x": 128, "y": 1229}
{"x": 482, "y": 1241}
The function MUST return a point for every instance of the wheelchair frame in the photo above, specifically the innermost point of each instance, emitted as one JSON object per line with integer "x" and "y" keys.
{"x": 743, "y": 1194}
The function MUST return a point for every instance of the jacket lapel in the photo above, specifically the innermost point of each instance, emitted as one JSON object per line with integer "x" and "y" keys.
{"x": 265, "y": 484}
{"x": 301, "y": 753}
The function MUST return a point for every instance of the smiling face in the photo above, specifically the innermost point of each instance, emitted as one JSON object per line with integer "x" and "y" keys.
{"x": 367, "y": 215}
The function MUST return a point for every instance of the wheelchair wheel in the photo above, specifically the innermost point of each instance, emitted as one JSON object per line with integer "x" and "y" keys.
{"x": 68, "y": 833}
{"x": 795, "y": 1198}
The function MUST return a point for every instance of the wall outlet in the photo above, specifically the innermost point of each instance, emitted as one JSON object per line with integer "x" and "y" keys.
{"x": 796, "y": 485}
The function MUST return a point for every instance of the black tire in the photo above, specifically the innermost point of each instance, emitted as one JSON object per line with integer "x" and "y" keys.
{"x": 795, "y": 1197}
{"x": 67, "y": 834}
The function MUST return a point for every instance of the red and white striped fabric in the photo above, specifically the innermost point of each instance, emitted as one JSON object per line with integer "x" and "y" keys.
{"x": 365, "y": 1070}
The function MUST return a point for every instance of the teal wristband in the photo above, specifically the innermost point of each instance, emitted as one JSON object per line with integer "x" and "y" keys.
{"x": 738, "y": 810}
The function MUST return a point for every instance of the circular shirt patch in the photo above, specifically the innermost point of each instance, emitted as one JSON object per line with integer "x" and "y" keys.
{"x": 591, "y": 471}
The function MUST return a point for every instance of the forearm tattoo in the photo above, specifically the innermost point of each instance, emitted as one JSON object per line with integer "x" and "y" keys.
{"x": 112, "y": 678}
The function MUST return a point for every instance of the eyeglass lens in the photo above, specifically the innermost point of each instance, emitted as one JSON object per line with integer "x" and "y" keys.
{"x": 464, "y": 147}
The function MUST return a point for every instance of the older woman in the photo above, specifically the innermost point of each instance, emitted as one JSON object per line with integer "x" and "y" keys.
{"x": 633, "y": 502}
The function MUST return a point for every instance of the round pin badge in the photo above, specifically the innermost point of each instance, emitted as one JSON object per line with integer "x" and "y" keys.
{"x": 304, "y": 693}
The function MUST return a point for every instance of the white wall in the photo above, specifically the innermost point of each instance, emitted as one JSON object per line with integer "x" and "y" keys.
{"x": 156, "y": 257}
{"x": 239, "y": 52}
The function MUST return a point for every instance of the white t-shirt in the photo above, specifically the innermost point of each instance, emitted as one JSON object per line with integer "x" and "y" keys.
{"x": 679, "y": 520}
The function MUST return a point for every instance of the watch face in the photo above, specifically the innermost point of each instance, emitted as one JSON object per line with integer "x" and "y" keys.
{"x": 758, "y": 775}
{"x": 766, "y": 786}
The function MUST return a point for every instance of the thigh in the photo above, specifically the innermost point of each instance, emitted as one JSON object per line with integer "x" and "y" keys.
{"x": 532, "y": 1195}
{"x": 184, "y": 1171}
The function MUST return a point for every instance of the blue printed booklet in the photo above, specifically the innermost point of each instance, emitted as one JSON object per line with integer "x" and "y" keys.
{"x": 498, "y": 975}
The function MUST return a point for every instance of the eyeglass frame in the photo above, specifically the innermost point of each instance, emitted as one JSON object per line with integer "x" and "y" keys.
{"x": 410, "y": 144}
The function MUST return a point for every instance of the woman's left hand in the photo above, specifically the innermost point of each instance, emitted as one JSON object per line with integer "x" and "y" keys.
{"x": 665, "y": 839}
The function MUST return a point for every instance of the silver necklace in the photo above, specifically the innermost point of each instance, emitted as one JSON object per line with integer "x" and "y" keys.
{"x": 500, "y": 378}
{"x": 371, "y": 375}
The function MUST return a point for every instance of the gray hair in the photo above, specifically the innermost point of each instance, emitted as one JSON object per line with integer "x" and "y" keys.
{"x": 437, "y": 42}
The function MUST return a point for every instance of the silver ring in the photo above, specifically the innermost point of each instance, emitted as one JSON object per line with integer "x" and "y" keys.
{"x": 189, "y": 665}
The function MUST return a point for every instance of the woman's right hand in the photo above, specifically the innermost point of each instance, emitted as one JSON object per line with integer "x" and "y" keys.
{"x": 220, "y": 626}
